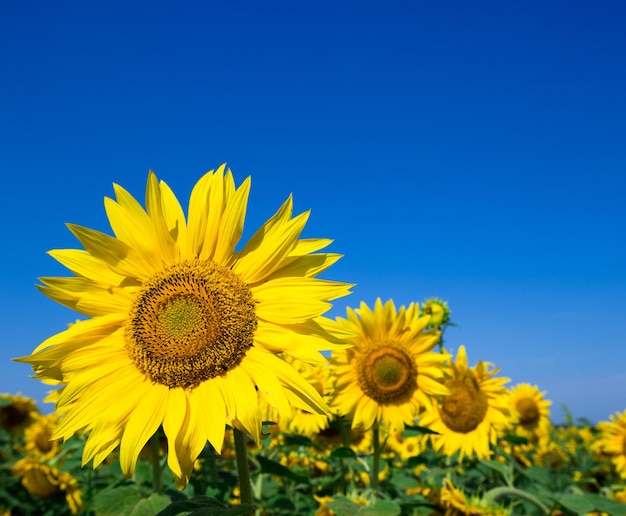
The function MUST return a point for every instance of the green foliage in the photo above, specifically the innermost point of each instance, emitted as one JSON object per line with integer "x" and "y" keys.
{"x": 292, "y": 474}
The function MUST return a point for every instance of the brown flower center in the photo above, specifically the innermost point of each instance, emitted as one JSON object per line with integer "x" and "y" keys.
{"x": 466, "y": 405}
{"x": 387, "y": 374}
{"x": 528, "y": 412}
{"x": 191, "y": 322}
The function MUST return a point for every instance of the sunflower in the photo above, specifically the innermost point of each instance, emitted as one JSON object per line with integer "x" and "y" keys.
{"x": 468, "y": 419}
{"x": 38, "y": 440}
{"x": 390, "y": 372}
{"x": 531, "y": 411}
{"x": 456, "y": 503}
{"x": 183, "y": 328}
{"x": 612, "y": 440}
{"x": 45, "y": 481}
{"x": 16, "y": 412}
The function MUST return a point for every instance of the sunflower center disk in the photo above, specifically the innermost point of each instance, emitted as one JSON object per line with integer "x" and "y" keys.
{"x": 528, "y": 412}
{"x": 465, "y": 407}
{"x": 190, "y": 323}
{"x": 387, "y": 374}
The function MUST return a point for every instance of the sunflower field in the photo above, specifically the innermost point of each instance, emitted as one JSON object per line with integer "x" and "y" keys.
{"x": 203, "y": 378}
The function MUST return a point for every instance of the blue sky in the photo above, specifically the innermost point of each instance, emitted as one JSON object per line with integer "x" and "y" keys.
{"x": 470, "y": 152}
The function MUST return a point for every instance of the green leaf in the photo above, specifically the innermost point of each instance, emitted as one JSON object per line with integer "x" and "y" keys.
{"x": 576, "y": 503}
{"x": 151, "y": 505}
{"x": 498, "y": 467}
{"x": 115, "y": 501}
{"x": 343, "y": 452}
{"x": 276, "y": 468}
{"x": 537, "y": 474}
{"x": 204, "y": 506}
{"x": 298, "y": 440}
{"x": 603, "y": 504}
{"x": 421, "y": 430}
{"x": 234, "y": 510}
{"x": 343, "y": 506}
{"x": 380, "y": 508}
{"x": 515, "y": 439}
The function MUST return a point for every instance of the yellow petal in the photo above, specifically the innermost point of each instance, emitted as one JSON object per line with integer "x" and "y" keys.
{"x": 82, "y": 263}
{"x": 142, "y": 424}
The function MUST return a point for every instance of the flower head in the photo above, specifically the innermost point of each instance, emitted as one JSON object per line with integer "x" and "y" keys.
{"x": 530, "y": 409}
{"x": 438, "y": 311}
{"x": 183, "y": 328}
{"x": 468, "y": 419}
{"x": 391, "y": 370}
{"x": 16, "y": 412}
{"x": 38, "y": 440}
{"x": 612, "y": 440}
{"x": 457, "y": 503}
{"x": 44, "y": 481}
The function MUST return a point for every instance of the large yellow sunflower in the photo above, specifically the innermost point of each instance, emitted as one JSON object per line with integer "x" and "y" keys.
{"x": 612, "y": 441}
{"x": 390, "y": 372}
{"x": 531, "y": 411}
{"x": 468, "y": 419}
{"x": 183, "y": 327}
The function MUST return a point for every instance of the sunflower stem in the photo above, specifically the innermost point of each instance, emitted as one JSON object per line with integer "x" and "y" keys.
{"x": 498, "y": 492}
{"x": 156, "y": 463}
{"x": 243, "y": 472}
{"x": 376, "y": 459}
{"x": 212, "y": 463}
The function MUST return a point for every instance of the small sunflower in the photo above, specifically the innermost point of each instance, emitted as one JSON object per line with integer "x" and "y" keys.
{"x": 468, "y": 419}
{"x": 531, "y": 411}
{"x": 390, "y": 372}
{"x": 38, "y": 440}
{"x": 16, "y": 412}
{"x": 612, "y": 440}
{"x": 438, "y": 310}
{"x": 456, "y": 503}
{"x": 183, "y": 328}
{"x": 44, "y": 481}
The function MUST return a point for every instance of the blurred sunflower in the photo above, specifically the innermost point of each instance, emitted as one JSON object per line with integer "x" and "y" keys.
{"x": 38, "y": 440}
{"x": 456, "y": 503}
{"x": 16, "y": 412}
{"x": 44, "y": 481}
{"x": 612, "y": 440}
{"x": 467, "y": 421}
{"x": 531, "y": 411}
{"x": 390, "y": 372}
{"x": 183, "y": 328}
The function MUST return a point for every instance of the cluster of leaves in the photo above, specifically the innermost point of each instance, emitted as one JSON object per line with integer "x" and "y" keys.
{"x": 329, "y": 474}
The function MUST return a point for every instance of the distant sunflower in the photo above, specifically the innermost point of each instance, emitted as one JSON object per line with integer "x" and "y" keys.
{"x": 531, "y": 411}
{"x": 17, "y": 412}
{"x": 467, "y": 420}
{"x": 38, "y": 440}
{"x": 390, "y": 372}
{"x": 45, "y": 481}
{"x": 183, "y": 327}
{"x": 612, "y": 440}
{"x": 456, "y": 503}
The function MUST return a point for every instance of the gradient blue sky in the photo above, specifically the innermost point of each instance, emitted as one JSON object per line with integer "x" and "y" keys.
{"x": 470, "y": 151}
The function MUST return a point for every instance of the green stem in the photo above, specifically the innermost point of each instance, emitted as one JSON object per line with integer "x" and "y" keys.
{"x": 376, "y": 461}
{"x": 498, "y": 492}
{"x": 156, "y": 463}
{"x": 241, "y": 452}
{"x": 212, "y": 463}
